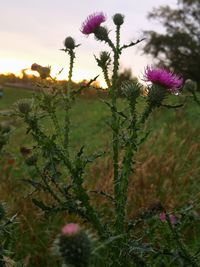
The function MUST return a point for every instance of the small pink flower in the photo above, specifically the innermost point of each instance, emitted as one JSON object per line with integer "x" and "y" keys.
{"x": 163, "y": 77}
{"x": 92, "y": 22}
{"x": 70, "y": 229}
{"x": 162, "y": 217}
{"x": 172, "y": 218}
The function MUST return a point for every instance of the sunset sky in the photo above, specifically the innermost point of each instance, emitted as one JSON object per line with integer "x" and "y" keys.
{"x": 34, "y": 31}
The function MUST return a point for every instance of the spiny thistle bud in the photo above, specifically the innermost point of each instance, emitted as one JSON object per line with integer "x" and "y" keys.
{"x": 24, "y": 106}
{"x": 156, "y": 95}
{"x": 104, "y": 57}
{"x": 190, "y": 85}
{"x": 118, "y": 19}
{"x": 69, "y": 43}
{"x": 101, "y": 33}
{"x": 131, "y": 90}
{"x": 74, "y": 246}
{"x": 31, "y": 161}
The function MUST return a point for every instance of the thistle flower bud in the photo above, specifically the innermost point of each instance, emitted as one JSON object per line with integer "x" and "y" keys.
{"x": 31, "y": 161}
{"x": 69, "y": 43}
{"x": 190, "y": 85}
{"x": 24, "y": 106}
{"x": 118, "y": 19}
{"x": 104, "y": 57}
{"x": 74, "y": 246}
{"x": 156, "y": 95}
{"x": 101, "y": 33}
{"x": 131, "y": 90}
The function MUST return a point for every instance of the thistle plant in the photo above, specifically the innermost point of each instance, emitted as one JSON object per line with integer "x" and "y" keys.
{"x": 59, "y": 171}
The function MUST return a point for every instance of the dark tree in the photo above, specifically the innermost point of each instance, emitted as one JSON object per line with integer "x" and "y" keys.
{"x": 179, "y": 46}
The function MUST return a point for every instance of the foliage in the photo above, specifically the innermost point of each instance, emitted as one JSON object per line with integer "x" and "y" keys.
{"x": 59, "y": 170}
{"x": 179, "y": 46}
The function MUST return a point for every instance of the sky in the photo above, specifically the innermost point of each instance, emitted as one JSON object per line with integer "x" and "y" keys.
{"x": 34, "y": 31}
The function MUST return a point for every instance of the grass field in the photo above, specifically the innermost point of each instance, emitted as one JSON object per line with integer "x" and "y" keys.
{"x": 167, "y": 168}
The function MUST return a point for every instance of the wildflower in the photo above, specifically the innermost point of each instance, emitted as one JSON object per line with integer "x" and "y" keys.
{"x": 74, "y": 245}
{"x": 163, "y": 77}
{"x": 162, "y": 217}
{"x": 92, "y": 22}
{"x": 70, "y": 229}
{"x": 172, "y": 218}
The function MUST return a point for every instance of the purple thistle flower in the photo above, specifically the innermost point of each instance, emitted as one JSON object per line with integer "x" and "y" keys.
{"x": 163, "y": 77}
{"x": 92, "y": 22}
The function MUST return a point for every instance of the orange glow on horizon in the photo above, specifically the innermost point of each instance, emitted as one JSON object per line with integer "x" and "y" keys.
{"x": 16, "y": 66}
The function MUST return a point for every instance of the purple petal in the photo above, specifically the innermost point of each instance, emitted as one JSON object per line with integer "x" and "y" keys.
{"x": 92, "y": 22}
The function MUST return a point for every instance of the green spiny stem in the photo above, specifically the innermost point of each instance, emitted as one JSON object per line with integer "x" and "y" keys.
{"x": 105, "y": 73}
{"x": 110, "y": 43}
{"x": 67, "y": 125}
{"x": 115, "y": 127}
{"x": 38, "y": 135}
{"x": 132, "y": 44}
{"x": 90, "y": 214}
{"x": 48, "y": 187}
{"x": 127, "y": 168}
{"x": 72, "y": 57}
{"x": 32, "y": 122}
{"x": 149, "y": 108}
{"x": 180, "y": 245}
{"x": 68, "y": 101}
{"x": 56, "y": 124}
{"x": 118, "y": 39}
{"x": 52, "y": 113}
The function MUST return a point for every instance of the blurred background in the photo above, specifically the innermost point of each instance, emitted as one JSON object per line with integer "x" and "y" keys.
{"x": 34, "y": 31}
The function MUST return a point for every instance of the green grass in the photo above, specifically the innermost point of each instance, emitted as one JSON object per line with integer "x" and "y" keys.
{"x": 168, "y": 167}
{"x": 11, "y": 95}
